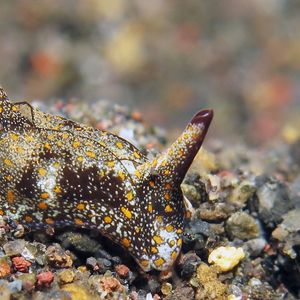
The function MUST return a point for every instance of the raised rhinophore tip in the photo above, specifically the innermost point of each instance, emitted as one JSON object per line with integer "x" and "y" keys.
{"x": 203, "y": 117}
{"x": 175, "y": 162}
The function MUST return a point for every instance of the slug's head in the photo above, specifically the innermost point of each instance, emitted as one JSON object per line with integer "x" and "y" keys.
{"x": 163, "y": 209}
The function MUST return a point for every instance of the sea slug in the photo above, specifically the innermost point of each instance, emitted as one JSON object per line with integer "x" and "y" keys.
{"x": 55, "y": 172}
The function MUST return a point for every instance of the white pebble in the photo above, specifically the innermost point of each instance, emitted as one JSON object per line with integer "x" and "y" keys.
{"x": 226, "y": 257}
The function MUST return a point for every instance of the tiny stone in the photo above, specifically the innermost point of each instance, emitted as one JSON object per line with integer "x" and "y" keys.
{"x": 242, "y": 226}
{"x": 45, "y": 278}
{"x": 14, "y": 248}
{"x": 21, "y": 264}
{"x": 66, "y": 276}
{"x": 28, "y": 281}
{"x": 92, "y": 262}
{"x": 15, "y": 286}
{"x": 166, "y": 288}
{"x": 122, "y": 270}
{"x": 255, "y": 246}
{"x": 242, "y": 193}
{"x": 182, "y": 293}
{"x": 153, "y": 285}
{"x": 5, "y": 269}
{"x": 5, "y": 292}
{"x": 226, "y": 258}
{"x": 58, "y": 256}
{"x": 77, "y": 292}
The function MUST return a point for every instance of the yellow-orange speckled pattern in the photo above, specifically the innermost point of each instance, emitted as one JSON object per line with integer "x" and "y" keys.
{"x": 55, "y": 172}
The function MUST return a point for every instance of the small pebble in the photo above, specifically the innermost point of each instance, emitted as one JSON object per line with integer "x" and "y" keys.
{"x": 14, "y": 248}
{"x": 45, "y": 278}
{"x": 166, "y": 288}
{"x": 5, "y": 292}
{"x": 242, "y": 193}
{"x": 66, "y": 276}
{"x": 5, "y": 269}
{"x": 58, "y": 256}
{"x": 92, "y": 263}
{"x": 226, "y": 258}
{"x": 15, "y": 286}
{"x": 122, "y": 270}
{"x": 242, "y": 226}
{"x": 110, "y": 284}
{"x": 28, "y": 281}
{"x": 77, "y": 292}
{"x": 255, "y": 246}
{"x": 153, "y": 285}
{"x": 21, "y": 264}
{"x": 187, "y": 264}
{"x": 182, "y": 293}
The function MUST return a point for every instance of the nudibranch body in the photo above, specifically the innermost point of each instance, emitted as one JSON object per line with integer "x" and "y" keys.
{"x": 55, "y": 172}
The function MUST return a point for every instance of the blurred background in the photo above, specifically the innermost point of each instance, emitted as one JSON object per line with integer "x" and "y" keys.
{"x": 166, "y": 59}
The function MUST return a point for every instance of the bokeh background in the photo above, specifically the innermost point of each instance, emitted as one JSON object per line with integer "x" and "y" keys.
{"x": 166, "y": 59}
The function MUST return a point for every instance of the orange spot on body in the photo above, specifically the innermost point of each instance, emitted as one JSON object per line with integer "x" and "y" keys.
{"x": 171, "y": 243}
{"x": 47, "y": 146}
{"x": 179, "y": 242}
{"x": 150, "y": 208}
{"x": 159, "y": 262}
{"x": 154, "y": 250}
{"x": 127, "y": 213}
{"x": 152, "y": 184}
{"x": 167, "y": 172}
{"x": 57, "y": 190}
{"x": 168, "y": 208}
{"x": 45, "y": 195}
{"x": 159, "y": 219}
{"x": 144, "y": 263}
{"x": 80, "y": 206}
{"x": 14, "y": 136}
{"x": 121, "y": 175}
{"x": 42, "y": 172}
{"x": 138, "y": 174}
{"x": 167, "y": 196}
{"x": 158, "y": 239}
{"x": 107, "y": 219}
{"x": 65, "y": 135}
{"x": 49, "y": 221}
{"x": 136, "y": 155}
{"x": 42, "y": 205}
{"x": 111, "y": 164}
{"x": 10, "y": 197}
{"x": 76, "y": 144}
{"x": 90, "y": 154}
{"x": 174, "y": 255}
{"x": 126, "y": 242}
{"x": 8, "y": 162}
{"x": 78, "y": 221}
{"x": 28, "y": 219}
{"x": 119, "y": 145}
{"x": 14, "y": 108}
{"x": 56, "y": 165}
{"x": 129, "y": 196}
{"x": 169, "y": 228}
{"x": 168, "y": 186}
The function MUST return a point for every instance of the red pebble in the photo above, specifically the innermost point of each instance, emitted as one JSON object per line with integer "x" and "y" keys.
{"x": 21, "y": 264}
{"x": 45, "y": 278}
{"x": 122, "y": 270}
